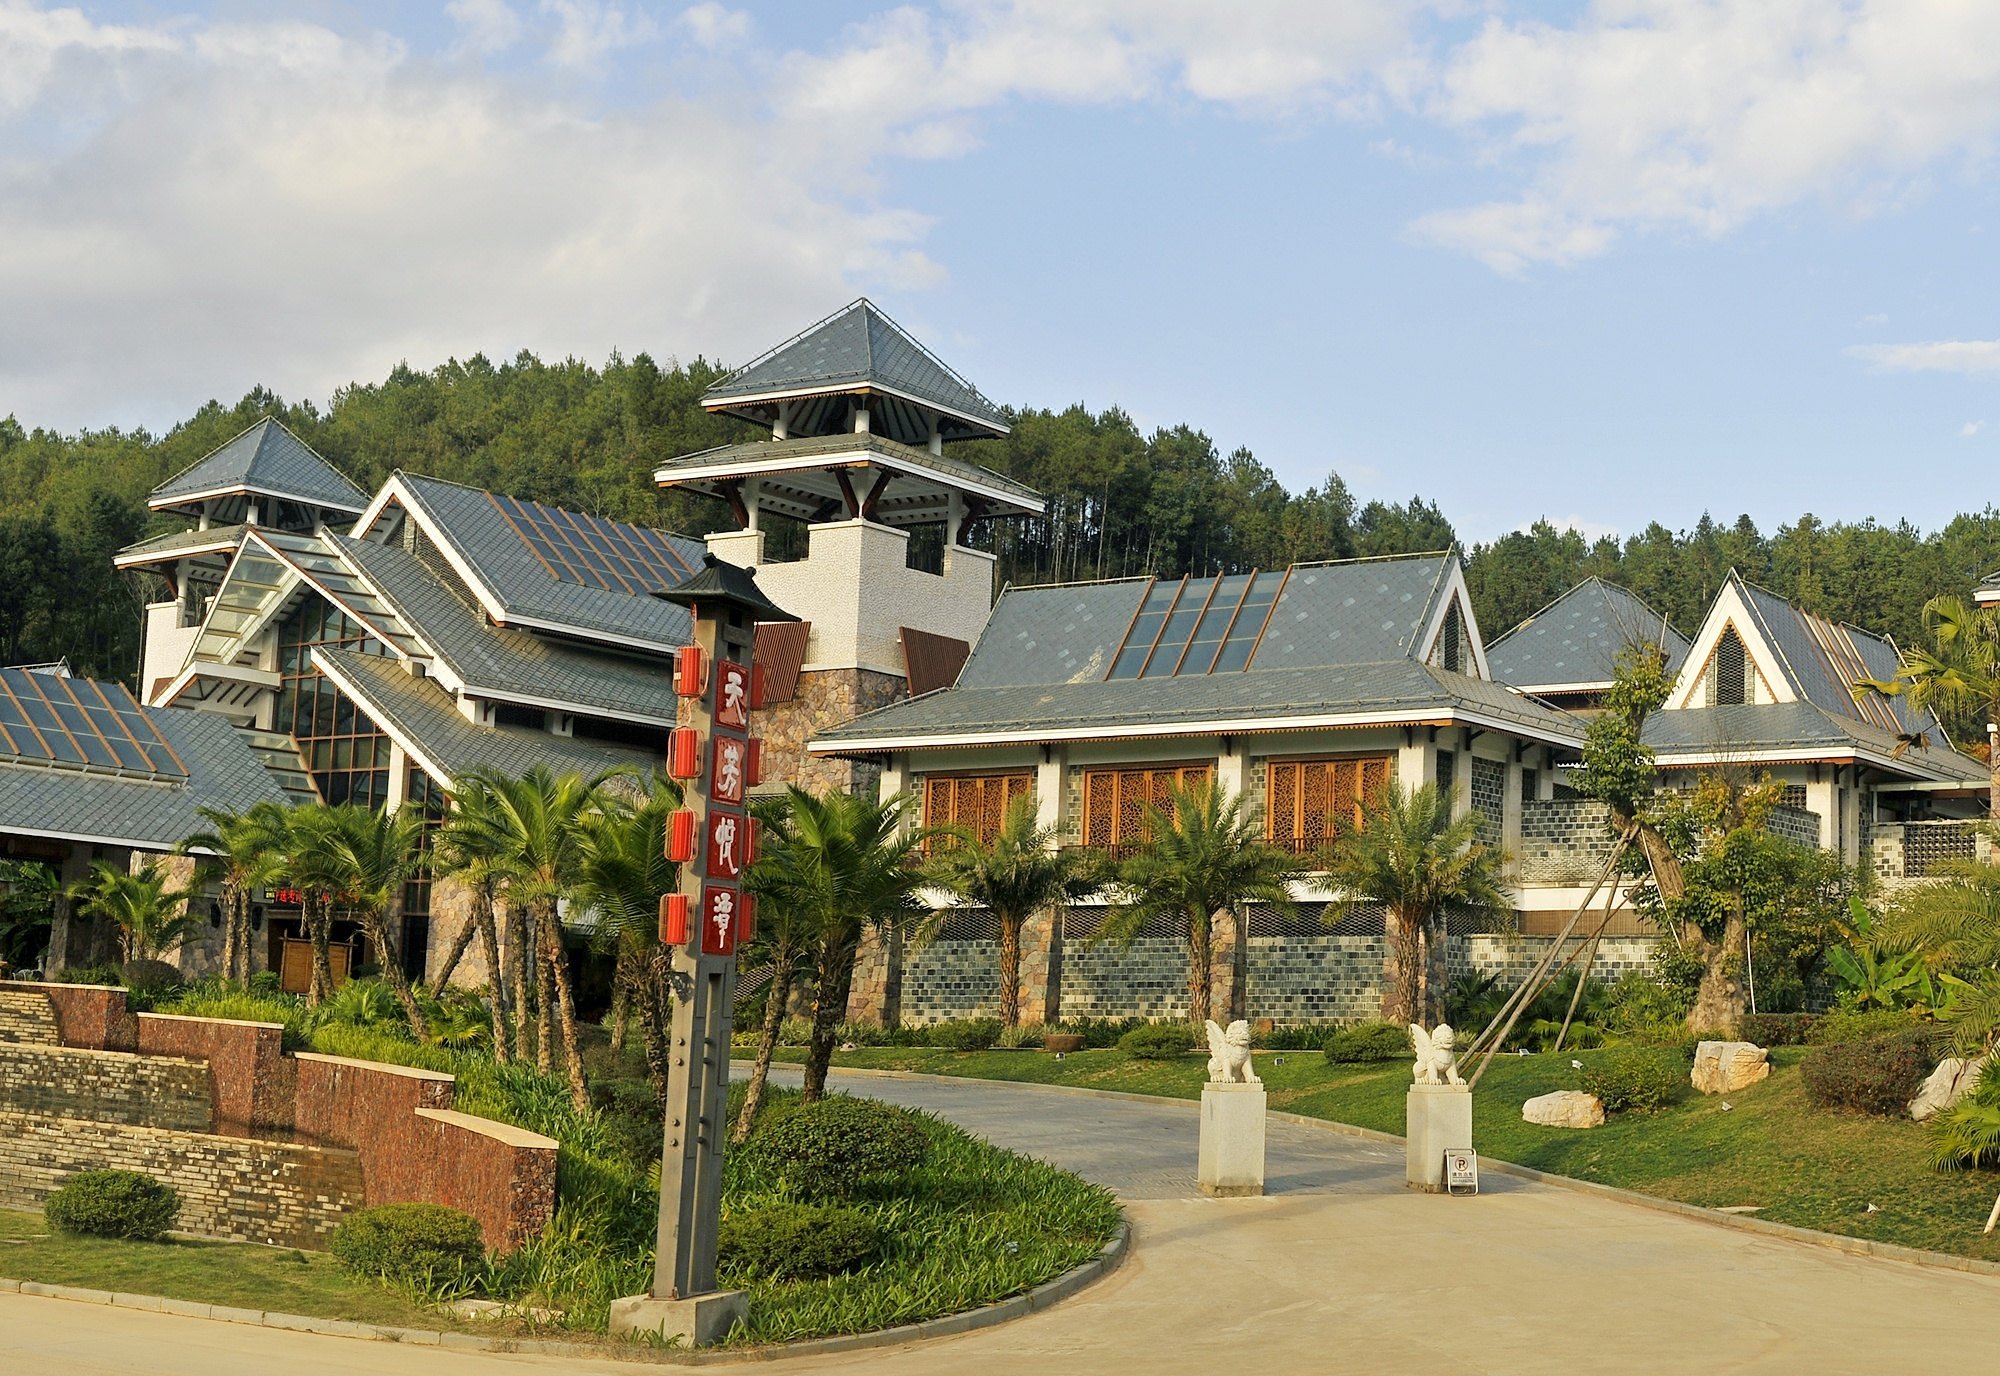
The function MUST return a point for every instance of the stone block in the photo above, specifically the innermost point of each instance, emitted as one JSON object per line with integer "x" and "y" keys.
{"x": 1566, "y": 1108}
{"x": 1725, "y": 1067}
{"x": 1231, "y": 1155}
{"x": 698, "y": 1321}
{"x": 1438, "y": 1119}
{"x": 1954, "y": 1078}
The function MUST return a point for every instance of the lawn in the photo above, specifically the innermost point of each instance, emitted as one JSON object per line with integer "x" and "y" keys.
{"x": 1769, "y": 1148}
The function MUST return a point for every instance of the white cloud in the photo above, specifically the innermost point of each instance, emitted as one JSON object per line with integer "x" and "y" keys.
{"x": 716, "y": 26}
{"x": 1971, "y": 428}
{"x": 485, "y": 27}
{"x": 589, "y": 30}
{"x": 1942, "y": 356}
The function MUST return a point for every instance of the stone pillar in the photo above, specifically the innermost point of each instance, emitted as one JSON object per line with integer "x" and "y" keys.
{"x": 1041, "y": 969}
{"x": 1438, "y": 1119}
{"x": 1228, "y": 953}
{"x": 1230, "y": 1160}
{"x": 876, "y": 995}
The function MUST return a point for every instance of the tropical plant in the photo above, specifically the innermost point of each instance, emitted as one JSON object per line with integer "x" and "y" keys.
{"x": 466, "y": 852}
{"x": 1200, "y": 859}
{"x": 28, "y": 893}
{"x": 837, "y": 865}
{"x": 1423, "y": 867}
{"x": 786, "y": 930}
{"x": 368, "y": 857}
{"x": 150, "y": 914}
{"x": 313, "y": 864}
{"x": 245, "y": 853}
{"x": 623, "y": 875}
{"x": 1019, "y": 872}
{"x": 1958, "y": 677}
{"x": 1869, "y": 976}
{"x": 1952, "y": 925}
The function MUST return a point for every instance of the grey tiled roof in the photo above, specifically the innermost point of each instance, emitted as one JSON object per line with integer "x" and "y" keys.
{"x": 495, "y": 657}
{"x": 222, "y": 772}
{"x": 425, "y": 714}
{"x": 1062, "y": 634}
{"x": 1357, "y": 611}
{"x": 1786, "y": 628}
{"x": 475, "y": 528}
{"x": 857, "y": 344}
{"x": 266, "y": 458}
{"x": 1744, "y": 729}
{"x": 180, "y": 539}
{"x": 751, "y": 455}
{"x": 1575, "y": 640}
{"x": 1081, "y": 709}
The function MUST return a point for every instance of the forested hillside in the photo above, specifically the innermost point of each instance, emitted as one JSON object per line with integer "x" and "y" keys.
{"x": 1120, "y": 502}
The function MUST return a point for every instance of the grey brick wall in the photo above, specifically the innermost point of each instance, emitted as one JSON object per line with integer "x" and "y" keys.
{"x": 951, "y": 979}
{"x": 1563, "y": 841}
{"x": 1489, "y": 797}
{"x": 110, "y": 1086}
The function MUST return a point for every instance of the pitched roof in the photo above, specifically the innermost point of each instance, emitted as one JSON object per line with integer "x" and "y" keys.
{"x": 422, "y": 717}
{"x": 857, "y": 346}
{"x": 1821, "y": 660}
{"x": 1064, "y": 633}
{"x": 497, "y": 658}
{"x": 216, "y": 539}
{"x": 1750, "y": 729}
{"x": 266, "y": 459}
{"x": 1353, "y": 611}
{"x": 526, "y": 586}
{"x": 794, "y": 462}
{"x": 1573, "y": 642}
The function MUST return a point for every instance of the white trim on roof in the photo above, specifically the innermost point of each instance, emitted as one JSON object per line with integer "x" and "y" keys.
{"x": 135, "y": 558}
{"x": 1669, "y": 758}
{"x": 724, "y": 401}
{"x": 575, "y": 709}
{"x": 390, "y": 728}
{"x": 240, "y": 489}
{"x": 98, "y": 839}
{"x": 1731, "y": 607}
{"x": 667, "y": 476}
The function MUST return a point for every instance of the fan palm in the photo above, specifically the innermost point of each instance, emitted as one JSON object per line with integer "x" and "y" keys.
{"x": 315, "y": 868}
{"x": 1959, "y": 678}
{"x": 784, "y": 936}
{"x": 1200, "y": 858}
{"x": 1018, "y": 873}
{"x": 368, "y": 856}
{"x": 465, "y": 851}
{"x": 623, "y": 875}
{"x": 1953, "y": 925}
{"x": 245, "y": 852}
{"x": 150, "y": 914}
{"x": 1410, "y": 856}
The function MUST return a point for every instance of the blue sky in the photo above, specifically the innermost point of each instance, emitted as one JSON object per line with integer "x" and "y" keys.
{"x": 1604, "y": 263}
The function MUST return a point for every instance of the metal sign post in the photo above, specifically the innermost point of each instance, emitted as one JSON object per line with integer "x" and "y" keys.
{"x": 704, "y": 919}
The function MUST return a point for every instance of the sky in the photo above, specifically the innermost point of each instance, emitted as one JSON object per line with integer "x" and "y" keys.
{"x": 1602, "y": 263}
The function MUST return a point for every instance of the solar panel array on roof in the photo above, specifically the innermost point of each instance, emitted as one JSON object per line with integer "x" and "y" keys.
{"x": 81, "y": 723}
{"x": 579, "y": 548}
{"x": 1197, "y": 625}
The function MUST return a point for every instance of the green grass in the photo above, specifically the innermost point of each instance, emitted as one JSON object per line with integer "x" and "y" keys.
{"x": 1770, "y": 1148}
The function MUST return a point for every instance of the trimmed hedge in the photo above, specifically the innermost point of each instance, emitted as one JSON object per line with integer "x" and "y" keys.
{"x": 1158, "y": 1041}
{"x": 425, "y": 1245}
{"x": 1859, "y": 1026}
{"x": 1879, "y": 1075}
{"x": 1778, "y": 1029}
{"x": 969, "y": 1034}
{"x": 796, "y": 1241}
{"x": 1636, "y": 1079}
{"x": 834, "y": 1146}
{"x": 1369, "y": 1041}
{"x": 122, "y": 1204}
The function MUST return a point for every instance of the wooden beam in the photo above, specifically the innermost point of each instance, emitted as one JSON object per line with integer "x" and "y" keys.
{"x": 853, "y": 503}
{"x": 874, "y": 493}
{"x": 731, "y": 491}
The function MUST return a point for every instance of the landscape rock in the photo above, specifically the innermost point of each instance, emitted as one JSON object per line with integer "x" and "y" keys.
{"x": 1566, "y": 1108}
{"x": 1954, "y": 1078}
{"x": 1725, "y": 1067}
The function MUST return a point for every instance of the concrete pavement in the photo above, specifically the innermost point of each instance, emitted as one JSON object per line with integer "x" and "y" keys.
{"x": 1339, "y": 1270}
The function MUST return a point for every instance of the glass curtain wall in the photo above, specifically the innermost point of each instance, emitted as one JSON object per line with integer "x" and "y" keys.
{"x": 348, "y": 756}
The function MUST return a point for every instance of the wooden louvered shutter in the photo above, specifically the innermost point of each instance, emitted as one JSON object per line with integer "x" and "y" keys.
{"x": 1281, "y": 811}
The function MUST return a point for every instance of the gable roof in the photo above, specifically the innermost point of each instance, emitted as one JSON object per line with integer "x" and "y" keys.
{"x": 1821, "y": 660}
{"x": 1573, "y": 643}
{"x": 1773, "y": 731}
{"x": 265, "y": 459}
{"x": 1058, "y": 633}
{"x": 856, "y": 347}
{"x": 1353, "y": 611}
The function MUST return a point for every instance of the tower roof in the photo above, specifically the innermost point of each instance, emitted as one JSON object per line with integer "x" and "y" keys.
{"x": 857, "y": 350}
{"x": 266, "y": 460}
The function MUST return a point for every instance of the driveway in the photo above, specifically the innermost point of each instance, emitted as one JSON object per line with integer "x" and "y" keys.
{"x": 1339, "y": 1269}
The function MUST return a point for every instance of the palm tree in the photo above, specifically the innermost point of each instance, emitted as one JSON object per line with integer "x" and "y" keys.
{"x": 28, "y": 892}
{"x": 245, "y": 852}
{"x": 837, "y": 865}
{"x": 624, "y": 873}
{"x": 465, "y": 850}
{"x": 784, "y": 935}
{"x": 368, "y": 857}
{"x": 313, "y": 864}
{"x": 1200, "y": 859}
{"x": 150, "y": 915}
{"x": 535, "y": 829}
{"x": 1953, "y": 925}
{"x": 1019, "y": 873}
{"x": 1421, "y": 866}
{"x": 1960, "y": 677}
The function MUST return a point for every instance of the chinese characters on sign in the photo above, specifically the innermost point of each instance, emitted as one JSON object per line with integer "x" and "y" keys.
{"x": 725, "y": 845}
{"x": 729, "y": 766}
{"x": 732, "y": 695}
{"x": 718, "y": 920}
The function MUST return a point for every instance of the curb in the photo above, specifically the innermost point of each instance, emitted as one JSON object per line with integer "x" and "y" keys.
{"x": 1019, "y": 1306}
{"x": 1783, "y": 1232}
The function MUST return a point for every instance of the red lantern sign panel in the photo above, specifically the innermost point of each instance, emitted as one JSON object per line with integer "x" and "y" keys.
{"x": 728, "y": 842}
{"x": 732, "y": 695}
{"x": 718, "y": 920}
{"x": 731, "y": 770}
{"x": 673, "y": 919}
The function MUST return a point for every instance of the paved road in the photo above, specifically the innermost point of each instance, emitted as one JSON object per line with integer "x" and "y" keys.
{"x": 1339, "y": 1270}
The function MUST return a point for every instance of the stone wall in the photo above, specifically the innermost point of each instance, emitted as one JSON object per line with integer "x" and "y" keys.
{"x": 245, "y": 1062}
{"x": 1510, "y": 955}
{"x": 1563, "y": 841}
{"x": 1316, "y": 978}
{"x": 106, "y": 1086}
{"x": 1147, "y": 979}
{"x": 88, "y": 1015}
{"x": 824, "y": 698}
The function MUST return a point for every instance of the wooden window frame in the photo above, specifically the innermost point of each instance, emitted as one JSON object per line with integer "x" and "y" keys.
{"x": 1014, "y": 784}
{"x": 1124, "y": 833}
{"x": 1301, "y": 840}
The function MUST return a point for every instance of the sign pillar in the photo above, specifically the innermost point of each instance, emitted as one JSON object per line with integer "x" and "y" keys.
{"x": 704, "y": 919}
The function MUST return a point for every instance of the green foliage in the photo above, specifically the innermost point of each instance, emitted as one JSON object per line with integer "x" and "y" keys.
{"x": 1850, "y": 1025}
{"x": 1019, "y": 1038}
{"x": 427, "y": 1246}
{"x": 1778, "y": 1029}
{"x": 1617, "y": 766}
{"x": 1878, "y": 1074}
{"x": 1474, "y": 1001}
{"x": 149, "y": 913}
{"x": 1636, "y": 1079}
{"x": 1158, "y": 1041}
{"x": 795, "y": 1241}
{"x": 1369, "y": 1041}
{"x": 1297, "y": 1036}
{"x": 968, "y": 1034}
{"x": 1642, "y": 1000}
{"x": 150, "y": 979}
{"x": 122, "y": 1204}
{"x": 836, "y": 1145}
{"x": 28, "y": 893}
{"x": 1099, "y": 1034}
{"x": 214, "y": 999}
{"x": 1968, "y": 1133}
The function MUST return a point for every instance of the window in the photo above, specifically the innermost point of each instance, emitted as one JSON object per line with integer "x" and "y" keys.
{"x": 1311, "y": 802}
{"x": 1197, "y": 625}
{"x": 977, "y": 802}
{"x": 1730, "y": 685}
{"x": 425, "y": 794}
{"x": 1451, "y": 651}
{"x": 1531, "y": 781}
{"x": 1447, "y": 774}
{"x": 1114, "y": 800}
{"x": 347, "y": 756}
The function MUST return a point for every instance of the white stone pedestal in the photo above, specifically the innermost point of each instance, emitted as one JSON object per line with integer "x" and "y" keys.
{"x": 1439, "y": 1118}
{"x": 1232, "y": 1140}
{"x": 698, "y": 1321}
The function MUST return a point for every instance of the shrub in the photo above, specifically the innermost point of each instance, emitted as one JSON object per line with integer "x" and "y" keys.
{"x": 1635, "y": 1079}
{"x": 966, "y": 1034}
{"x": 425, "y": 1245}
{"x": 1018, "y": 1037}
{"x": 148, "y": 979}
{"x": 113, "y": 1204}
{"x": 1642, "y": 1000}
{"x": 1878, "y": 1075}
{"x": 796, "y": 1241}
{"x": 1298, "y": 1036}
{"x": 1158, "y": 1041}
{"x": 1669, "y": 1035}
{"x": 795, "y": 1032}
{"x": 1099, "y": 1034}
{"x": 835, "y": 1145}
{"x": 1777, "y": 1029}
{"x": 1369, "y": 1041}
{"x": 1850, "y": 1025}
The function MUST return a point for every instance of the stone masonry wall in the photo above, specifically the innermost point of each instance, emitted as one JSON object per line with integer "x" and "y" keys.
{"x": 823, "y": 699}
{"x": 108, "y": 1086}
{"x": 1511, "y": 955}
{"x": 243, "y": 1062}
{"x": 1315, "y": 978}
{"x": 1564, "y": 841}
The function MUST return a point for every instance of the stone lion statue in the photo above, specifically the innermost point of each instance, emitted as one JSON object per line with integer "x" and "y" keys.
{"x": 1229, "y": 1054}
{"x": 1437, "y": 1063}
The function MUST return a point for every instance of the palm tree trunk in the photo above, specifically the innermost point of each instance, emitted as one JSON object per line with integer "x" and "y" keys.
{"x": 656, "y": 1019}
{"x": 1201, "y": 953}
{"x": 767, "y": 1043}
{"x": 459, "y": 945}
{"x": 558, "y": 971}
{"x": 1403, "y": 954}
{"x": 622, "y": 978}
{"x": 379, "y": 925}
{"x": 522, "y": 954}
{"x": 833, "y": 978}
{"x": 489, "y": 941}
{"x": 1010, "y": 971}
{"x": 545, "y": 1007}
{"x": 319, "y": 930}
